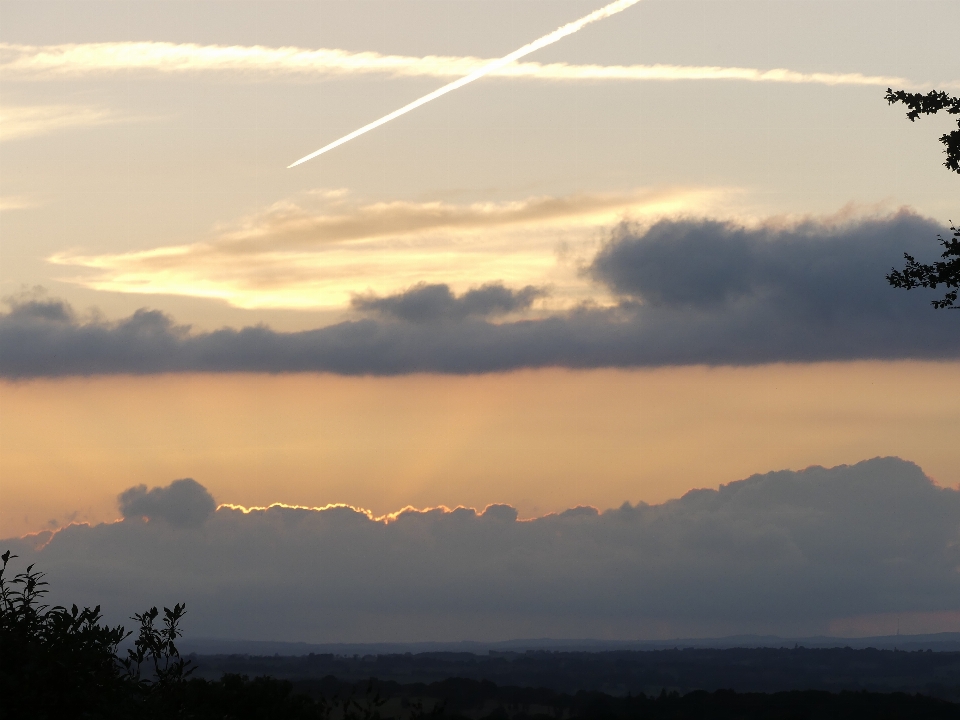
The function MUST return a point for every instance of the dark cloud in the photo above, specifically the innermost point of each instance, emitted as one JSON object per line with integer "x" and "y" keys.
{"x": 721, "y": 267}
{"x": 47, "y": 332}
{"x": 182, "y": 503}
{"x": 436, "y": 303}
{"x": 785, "y": 552}
{"x": 691, "y": 293}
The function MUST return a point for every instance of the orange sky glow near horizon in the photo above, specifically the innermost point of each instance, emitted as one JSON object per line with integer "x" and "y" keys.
{"x": 541, "y": 441}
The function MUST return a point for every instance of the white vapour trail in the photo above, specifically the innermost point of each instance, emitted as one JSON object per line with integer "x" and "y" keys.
{"x": 549, "y": 39}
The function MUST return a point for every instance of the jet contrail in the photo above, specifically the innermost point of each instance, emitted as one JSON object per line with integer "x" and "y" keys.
{"x": 558, "y": 34}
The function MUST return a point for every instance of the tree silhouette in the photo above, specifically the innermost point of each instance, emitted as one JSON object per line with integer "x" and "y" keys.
{"x": 944, "y": 272}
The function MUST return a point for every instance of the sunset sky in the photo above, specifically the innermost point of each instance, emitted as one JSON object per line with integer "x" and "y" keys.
{"x": 646, "y": 259}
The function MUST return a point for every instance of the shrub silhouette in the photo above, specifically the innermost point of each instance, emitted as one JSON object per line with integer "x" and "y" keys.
{"x": 57, "y": 663}
{"x": 54, "y": 662}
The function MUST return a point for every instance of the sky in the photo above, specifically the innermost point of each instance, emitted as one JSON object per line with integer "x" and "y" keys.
{"x": 643, "y": 261}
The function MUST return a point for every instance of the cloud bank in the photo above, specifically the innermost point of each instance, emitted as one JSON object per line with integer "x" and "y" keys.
{"x": 781, "y": 552}
{"x": 78, "y": 60}
{"x": 690, "y": 292}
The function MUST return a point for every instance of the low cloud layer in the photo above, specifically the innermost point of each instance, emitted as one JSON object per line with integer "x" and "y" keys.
{"x": 691, "y": 292}
{"x": 784, "y": 552}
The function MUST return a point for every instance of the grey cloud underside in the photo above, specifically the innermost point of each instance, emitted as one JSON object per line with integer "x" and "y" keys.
{"x": 781, "y": 552}
{"x": 690, "y": 292}
{"x": 183, "y": 503}
{"x": 436, "y": 303}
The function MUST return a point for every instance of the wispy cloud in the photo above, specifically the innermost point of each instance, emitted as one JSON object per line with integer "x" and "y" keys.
{"x": 319, "y": 251}
{"x": 78, "y": 60}
{"x": 17, "y": 202}
{"x": 32, "y": 120}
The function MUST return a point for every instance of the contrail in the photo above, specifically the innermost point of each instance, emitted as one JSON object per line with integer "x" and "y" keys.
{"x": 558, "y": 34}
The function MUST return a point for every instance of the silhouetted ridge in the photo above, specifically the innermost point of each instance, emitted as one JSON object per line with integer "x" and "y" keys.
{"x": 620, "y": 673}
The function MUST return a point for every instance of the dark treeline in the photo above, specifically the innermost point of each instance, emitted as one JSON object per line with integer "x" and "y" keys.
{"x": 622, "y": 672}
{"x": 459, "y": 698}
{"x": 59, "y": 663}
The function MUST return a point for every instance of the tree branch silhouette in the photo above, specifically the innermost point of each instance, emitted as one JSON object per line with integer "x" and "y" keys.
{"x": 944, "y": 272}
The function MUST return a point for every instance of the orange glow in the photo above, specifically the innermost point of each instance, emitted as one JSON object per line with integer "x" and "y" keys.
{"x": 541, "y": 441}
{"x": 330, "y": 506}
{"x": 385, "y": 519}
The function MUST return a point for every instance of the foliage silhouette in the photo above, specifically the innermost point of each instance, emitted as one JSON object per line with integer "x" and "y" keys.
{"x": 153, "y": 665}
{"x": 945, "y": 272}
{"x": 942, "y": 272}
{"x": 54, "y": 662}
{"x": 930, "y": 104}
{"x": 57, "y": 663}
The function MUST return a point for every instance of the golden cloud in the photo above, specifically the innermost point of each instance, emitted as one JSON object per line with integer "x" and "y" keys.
{"x": 318, "y": 251}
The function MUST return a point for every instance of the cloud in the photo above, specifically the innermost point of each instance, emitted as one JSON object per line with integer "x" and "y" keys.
{"x": 9, "y": 203}
{"x": 690, "y": 292}
{"x": 320, "y": 251}
{"x": 710, "y": 266}
{"x": 17, "y": 123}
{"x": 77, "y": 60}
{"x": 794, "y": 292}
{"x": 785, "y": 552}
{"x": 287, "y": 225}
{"x": 183, "y": 503}
{"x": 432, "y": 303}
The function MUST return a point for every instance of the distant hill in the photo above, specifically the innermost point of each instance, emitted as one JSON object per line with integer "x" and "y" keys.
{"x": 940, "y": 642}
{"x": 620, "y": 673}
